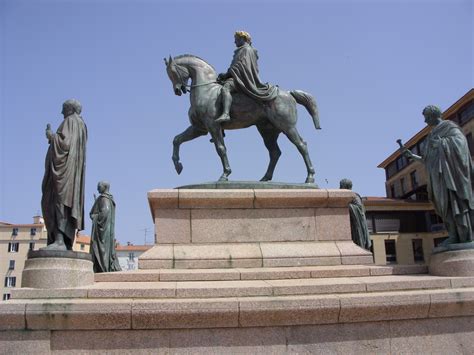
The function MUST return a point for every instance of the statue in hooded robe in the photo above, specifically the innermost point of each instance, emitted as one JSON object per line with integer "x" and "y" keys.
{"x": 359, "y": 229}
{"x": 448, "y": 164}
{"x": 62, "y": 202}
{"x": 103, "y": 231}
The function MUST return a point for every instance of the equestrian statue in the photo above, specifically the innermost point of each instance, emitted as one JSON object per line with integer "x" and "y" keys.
{"x": 238, "y": 99}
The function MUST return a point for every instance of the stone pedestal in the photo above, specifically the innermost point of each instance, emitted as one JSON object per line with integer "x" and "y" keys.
{"x": 251, "y": 227}
{"x": 51, "y": 269}
{"x": 454, "y": 262}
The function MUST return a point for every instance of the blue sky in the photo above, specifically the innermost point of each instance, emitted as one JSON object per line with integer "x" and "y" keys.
{"x": 371, "y": 65}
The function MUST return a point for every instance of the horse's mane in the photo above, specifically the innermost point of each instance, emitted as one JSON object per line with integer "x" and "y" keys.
{"x": 193, "y": 56}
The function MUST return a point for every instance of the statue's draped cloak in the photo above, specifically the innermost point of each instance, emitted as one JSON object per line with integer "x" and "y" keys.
{"x": 103, "y": 234}
{"x": 244, "y": 71}
{"x": 449, "y": 167}
{"x": 359, "y": 230}
{"x": 62, "y": 202}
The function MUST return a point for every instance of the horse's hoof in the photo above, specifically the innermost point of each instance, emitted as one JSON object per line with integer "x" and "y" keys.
{"x": 223, "y": 178}
{"x": 309, "y": 180}
{"x": 265, "y": 178}
{"x": 179, "y": 168}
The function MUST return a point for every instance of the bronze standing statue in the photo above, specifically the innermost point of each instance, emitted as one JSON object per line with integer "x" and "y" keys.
{"x": 103, "y": 231}
{"x": 359, "y": 229}
{"x": 272, "y": 110}
{"x": 449, "y": 166}
{"x": 62, "y": 202}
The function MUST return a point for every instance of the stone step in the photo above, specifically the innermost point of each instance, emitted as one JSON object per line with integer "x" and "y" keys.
{"x": 248, "y": 288}
{"x": 254, "y": 255}
{"x": 301, "y": 272}
{"x": 130, "y": 313}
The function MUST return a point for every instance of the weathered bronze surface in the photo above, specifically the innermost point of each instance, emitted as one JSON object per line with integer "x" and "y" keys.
{"x": 62, "y": 202}
{"x": 103, "y": 231}
{"x": 272, "y": 110}
{"x": 448, "y": 163}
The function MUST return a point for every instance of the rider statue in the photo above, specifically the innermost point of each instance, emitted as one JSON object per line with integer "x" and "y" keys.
{"x": 242, "y": 76}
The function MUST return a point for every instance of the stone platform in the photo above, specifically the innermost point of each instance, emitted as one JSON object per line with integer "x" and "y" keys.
{"x": 206, "y": 228}
{"x": 317, "y": 309}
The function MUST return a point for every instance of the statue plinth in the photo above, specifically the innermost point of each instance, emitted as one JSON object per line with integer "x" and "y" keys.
{"x": 53, "y": 269}
{"x": 231, "y": 228}
{"x": 453, "y": 260}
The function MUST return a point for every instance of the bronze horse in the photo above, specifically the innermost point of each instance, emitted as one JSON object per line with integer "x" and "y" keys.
{"x": 271, "y": 118}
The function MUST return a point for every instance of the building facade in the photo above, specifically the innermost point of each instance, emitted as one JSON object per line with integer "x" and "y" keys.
{"x": 404, "y": 227}
{"x": 128, "y": 255}
{"x": 15, "y": 242}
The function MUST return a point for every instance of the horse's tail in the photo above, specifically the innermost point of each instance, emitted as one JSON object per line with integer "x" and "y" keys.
{"x": 308, "y": 101}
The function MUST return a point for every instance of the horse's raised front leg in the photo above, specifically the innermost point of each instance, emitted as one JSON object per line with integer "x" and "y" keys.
{"x": 217, "y": 137}
{"x": 188, "y": 134}
{"x": 270, "y": 137}
{"x": 296, "y": 139}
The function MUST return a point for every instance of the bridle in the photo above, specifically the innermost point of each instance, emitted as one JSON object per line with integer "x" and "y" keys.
{"x": 183, "y": 82}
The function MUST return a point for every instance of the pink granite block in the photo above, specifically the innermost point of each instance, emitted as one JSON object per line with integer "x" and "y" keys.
{"x": 159, "y": 256}
{"x": 133, "y": 290}
{"x": 315, "y": 286}
{"x": 12, "y": 315}
{"x": 275, "y": 273}
{"x": 357, "y": 260}
{"x": 34, "y": 293}
{"x": 178, "y": 314}
{"x": 303, "y": 261}
{"x": 199, "y": 275}
{"x": 79, "y": 314}
{"x": 199, "y": 289}
{"x": 398, "y": 270}
{"x": 25, "y": 342}
{"x": 340, "y": 198}
{"x": 252, "y": 225}
{"x": 217, "y": 263}
{"x": 380, "y": 306}
{"x": 451, "y": 303}
{"x": 340, "y": 271}
{"x": 173, "y": 226}
{"x": 163, "y": 198}
{"x": 404, "y": 282}
{"x": 457, "y": 282}
{"x": 203, "y": 198}
{"x": 333, "y": 224}
{"x": 99, "y": 342}
{"x": 128, "y": 276}
{"x": 294, "y": 198}
{"x": 294, "y": 310}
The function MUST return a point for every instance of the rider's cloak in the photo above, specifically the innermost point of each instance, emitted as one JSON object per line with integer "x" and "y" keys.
{"x": 244, "y": 71}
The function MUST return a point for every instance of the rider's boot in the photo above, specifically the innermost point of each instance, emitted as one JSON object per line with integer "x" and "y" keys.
{"x": 226, "y": 102}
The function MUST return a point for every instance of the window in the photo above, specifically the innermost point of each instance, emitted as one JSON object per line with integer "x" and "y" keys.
{"x": 13, "y": 247}
{"x": 15, "y": 232}
{"x": 11, "y": 265}
{"x": 414, "y": 180}
{"x": 391, "y": 170}
{"x": 466, "y": 113}
{"x": 32, "y": 246}
{"x": 131, "y": 256}
{"x": 417, "y": 245}
{"x": 390, "y": 251}
{"x": 10, "y": 281}
{"x": 33, "y": 231}
{"x": 421, "y": 146}
{"x": 82, "y": 246}
{"x": 392, "y": 191}
{"x": 438, "y": 241}
{"x": 6, "y": 296}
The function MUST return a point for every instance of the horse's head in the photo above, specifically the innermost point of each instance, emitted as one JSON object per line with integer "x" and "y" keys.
{"x": 178, "y": 75}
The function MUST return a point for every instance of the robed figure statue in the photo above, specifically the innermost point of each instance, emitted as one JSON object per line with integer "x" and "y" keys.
{"x": 359, "y": 229}
{"x": 62, "y": 201}
{"x": 103, "y": 231}
{"x": 448, "y": 163}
